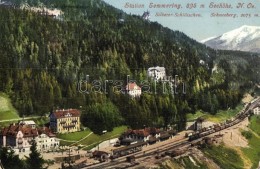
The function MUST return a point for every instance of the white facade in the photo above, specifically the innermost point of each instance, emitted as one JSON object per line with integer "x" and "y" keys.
{"x": 257, "y": 111}
{"x": 19, "y": 138}
{"x": 157, "y": 73}
{"x": 22, "y": 143}
{"x": 133, "y": 90}
{"x": 44, "y": 142}
{"x": 136, "y": 92}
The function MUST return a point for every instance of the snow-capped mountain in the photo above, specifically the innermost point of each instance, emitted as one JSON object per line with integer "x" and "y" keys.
{"x": 245, "y": 38}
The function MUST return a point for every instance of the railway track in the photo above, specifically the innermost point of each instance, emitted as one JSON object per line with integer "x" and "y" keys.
{"x": 141, "y": 154}
{"x": 175, "y": 145}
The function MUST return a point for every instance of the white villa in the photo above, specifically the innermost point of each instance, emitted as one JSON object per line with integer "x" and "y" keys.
{"x": 46, "y": 140}
{"x": 157, "y": 73}
{"x": 133, "y": 89}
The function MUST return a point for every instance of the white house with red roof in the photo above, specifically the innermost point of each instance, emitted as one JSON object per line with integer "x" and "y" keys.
{"x": 19, "y": 137}
{"x": 65, "y": 121}
{"x": 133, "y": 89}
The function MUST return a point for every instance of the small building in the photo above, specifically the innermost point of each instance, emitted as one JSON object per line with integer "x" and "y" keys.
{"x": 133, "y": 89}
{"x": 156, "y": 73}
{"x": 146, "y": 15}
{"x": 256, "y": 110}
{"x": 65, "y": 121}
{"x": 30, "y": 123}
{"x": 198, "y": 123}
{"x": 141, "y": 135}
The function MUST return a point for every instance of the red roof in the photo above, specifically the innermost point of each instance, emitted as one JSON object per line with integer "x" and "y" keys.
{"x": 132, "y": 86}
{"x": 13, "y": 129}
{"x": 66, "y": 113}
{"x": 143, "y": 132}
{"x": 47, "y": 131}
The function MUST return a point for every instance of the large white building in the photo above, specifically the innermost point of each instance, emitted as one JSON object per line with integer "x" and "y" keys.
{"x": 20, "y": 136}
{"x": 133, "y": 89}
{"x": 156, "y": 73}
{"x": 46, "y": 140}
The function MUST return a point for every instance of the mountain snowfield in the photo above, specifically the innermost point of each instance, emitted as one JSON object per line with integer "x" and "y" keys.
{"x": 245, "y": 38}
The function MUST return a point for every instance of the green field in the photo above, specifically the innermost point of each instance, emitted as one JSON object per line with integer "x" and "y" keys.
{"x": 221, "y": 115}
{"x": 253, "y": 152}
{"x": 74, "y": 136}
{"x": 7, "y": 111}
{"x": 224, "y": 157}
{"x": 93, "y": 139}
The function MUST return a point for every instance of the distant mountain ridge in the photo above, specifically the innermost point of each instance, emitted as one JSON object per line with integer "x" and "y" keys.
{"x": 245, "y": 38}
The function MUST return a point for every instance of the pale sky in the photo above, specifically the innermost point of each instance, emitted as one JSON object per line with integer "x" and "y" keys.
{"x": 197, "y": 28}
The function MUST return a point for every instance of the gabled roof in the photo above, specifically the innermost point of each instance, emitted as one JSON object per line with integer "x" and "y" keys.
{"x": 13, "y": 129}
{"x": 47, "y": 131}
{"x": 132, "y": 86}
{"x": 143, "y": 132}
{"x": 66, "y": 113}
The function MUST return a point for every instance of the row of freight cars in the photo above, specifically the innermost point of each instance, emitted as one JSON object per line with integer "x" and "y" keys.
{"x": 221, "y": 126}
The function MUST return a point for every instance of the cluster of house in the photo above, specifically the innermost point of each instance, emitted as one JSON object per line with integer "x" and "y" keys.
{"x": 156, "y": 73}
{"x": 19, "y": 136}
{"x": 150, "y": 135}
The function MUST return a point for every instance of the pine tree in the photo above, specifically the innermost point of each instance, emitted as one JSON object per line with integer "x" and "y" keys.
{"x": 35, "y": 160}
{"x": 9, "y": 160}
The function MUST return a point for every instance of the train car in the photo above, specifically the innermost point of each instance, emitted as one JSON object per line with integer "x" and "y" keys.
{"x": 194, "y": 136}
{"x": 128, "y": 149}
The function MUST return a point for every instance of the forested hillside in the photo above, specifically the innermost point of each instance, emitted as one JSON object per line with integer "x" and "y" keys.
{"x": 42, "y": 61}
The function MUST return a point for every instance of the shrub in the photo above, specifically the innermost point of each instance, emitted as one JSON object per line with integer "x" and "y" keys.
{"x": 247, "y": 134}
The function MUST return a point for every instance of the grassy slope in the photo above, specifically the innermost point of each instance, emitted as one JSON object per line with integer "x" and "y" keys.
{"x": 93, "y": 139}
{"x": 7, "y": 111}
{"x": 226, "y": 158}
{"x": 74, "y": 136}
{"x": 183, "y": 162}
{"x": 222, "y": 115}
{"x": 253, "y": 152}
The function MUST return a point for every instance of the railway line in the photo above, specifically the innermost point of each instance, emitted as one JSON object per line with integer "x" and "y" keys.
{"x": 187, "y": 142}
